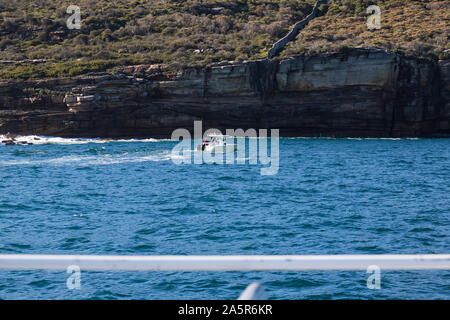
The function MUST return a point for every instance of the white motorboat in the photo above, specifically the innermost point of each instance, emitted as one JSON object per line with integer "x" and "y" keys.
{"x": 216, "y": 143}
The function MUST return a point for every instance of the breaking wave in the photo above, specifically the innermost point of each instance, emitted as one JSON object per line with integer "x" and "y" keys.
{"x": 32, "y": 139}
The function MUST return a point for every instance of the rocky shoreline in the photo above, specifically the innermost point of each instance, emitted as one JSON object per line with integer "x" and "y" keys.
{"x": 357, "y": 93}
{"x": 12, "y": 140}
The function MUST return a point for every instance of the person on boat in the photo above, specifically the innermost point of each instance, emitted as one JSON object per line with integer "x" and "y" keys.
{"x": 204, "y": 144}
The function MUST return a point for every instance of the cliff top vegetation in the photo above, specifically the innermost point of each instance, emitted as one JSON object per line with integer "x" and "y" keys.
{"x": 198, "y": 32}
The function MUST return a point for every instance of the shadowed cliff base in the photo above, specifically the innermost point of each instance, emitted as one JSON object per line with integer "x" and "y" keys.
{"x": 354, "y": 93}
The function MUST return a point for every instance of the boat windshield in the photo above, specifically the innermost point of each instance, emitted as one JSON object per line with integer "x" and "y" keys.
{"x": 218, "y": 137}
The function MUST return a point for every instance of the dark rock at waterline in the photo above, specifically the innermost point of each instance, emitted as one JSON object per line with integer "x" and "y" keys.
{"x": 358, "y": 93}
{"x": 9, "y": 142}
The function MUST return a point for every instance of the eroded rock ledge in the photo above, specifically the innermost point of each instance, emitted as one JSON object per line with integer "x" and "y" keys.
{"x": 360, "y": 93}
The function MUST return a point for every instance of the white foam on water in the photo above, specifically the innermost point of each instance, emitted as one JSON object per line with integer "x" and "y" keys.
{"x": 140, "y": 140}
{"x": 39, "y": 140}
{"x": 77, "y": 160}
{"x": 184, "y": 154}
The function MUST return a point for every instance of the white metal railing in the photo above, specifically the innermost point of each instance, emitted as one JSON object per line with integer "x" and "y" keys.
{"x": 226, "y": 263}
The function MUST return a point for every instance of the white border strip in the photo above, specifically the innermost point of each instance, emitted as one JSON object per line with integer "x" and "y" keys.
{"x": 226, "y": 263}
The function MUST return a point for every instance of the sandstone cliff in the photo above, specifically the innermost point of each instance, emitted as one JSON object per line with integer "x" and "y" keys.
{"x": 359, "y": 93}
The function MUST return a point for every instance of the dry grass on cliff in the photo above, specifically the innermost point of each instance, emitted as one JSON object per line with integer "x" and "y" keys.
{"x": 198, "y": 32}
{"x": 414, "y": 28}
{"x": 118, "y": 32}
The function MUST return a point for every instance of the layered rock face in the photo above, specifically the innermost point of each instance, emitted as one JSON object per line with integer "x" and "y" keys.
{"x": 360, "y": 93}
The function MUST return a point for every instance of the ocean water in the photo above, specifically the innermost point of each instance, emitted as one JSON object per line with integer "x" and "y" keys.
{"x": 330, "y": 196}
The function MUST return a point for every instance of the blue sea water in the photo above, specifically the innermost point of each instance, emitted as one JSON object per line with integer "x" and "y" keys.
{"x": 330, "y": 196}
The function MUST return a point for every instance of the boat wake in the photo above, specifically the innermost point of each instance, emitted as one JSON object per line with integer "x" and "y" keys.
{"x": 92, "y": 160}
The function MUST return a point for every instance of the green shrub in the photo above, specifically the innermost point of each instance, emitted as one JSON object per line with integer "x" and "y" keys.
{"x": 169, "y": 31}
